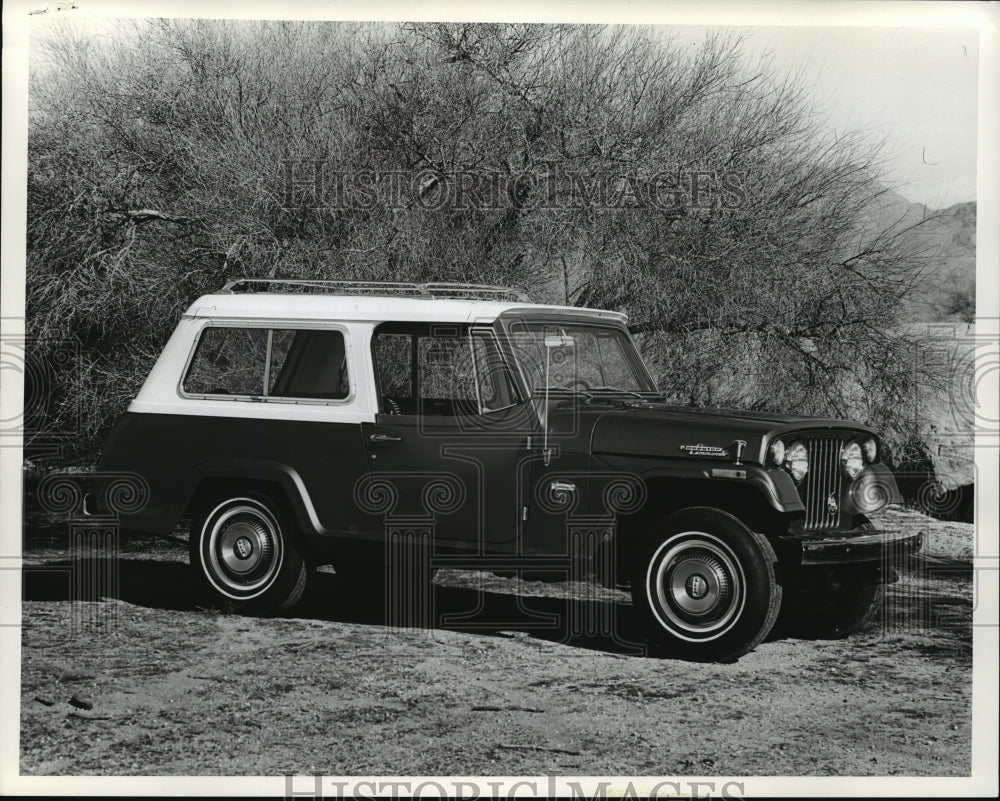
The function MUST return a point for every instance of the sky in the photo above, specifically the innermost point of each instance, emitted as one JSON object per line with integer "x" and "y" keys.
{"x": 916, "y": 86}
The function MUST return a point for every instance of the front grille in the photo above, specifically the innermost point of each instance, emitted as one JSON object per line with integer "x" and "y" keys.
{"x": 823, "y": 480}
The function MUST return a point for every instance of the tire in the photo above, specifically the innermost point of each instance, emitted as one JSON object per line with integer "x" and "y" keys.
{"x": 244, "y": 557}
{"x": 831, "y": 613}
{"x": 705, "y": 585}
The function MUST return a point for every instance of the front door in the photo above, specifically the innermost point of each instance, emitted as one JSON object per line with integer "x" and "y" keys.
{"x": 448, "y": 450}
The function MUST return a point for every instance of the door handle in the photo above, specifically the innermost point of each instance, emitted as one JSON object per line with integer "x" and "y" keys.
{"x": 384, "y": 438}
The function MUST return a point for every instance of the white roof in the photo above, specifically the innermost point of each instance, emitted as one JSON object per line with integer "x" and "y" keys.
{"x": 371, "y": 308}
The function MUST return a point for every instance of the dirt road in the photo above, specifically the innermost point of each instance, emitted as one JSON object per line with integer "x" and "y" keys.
{"x": 178, "y": 689}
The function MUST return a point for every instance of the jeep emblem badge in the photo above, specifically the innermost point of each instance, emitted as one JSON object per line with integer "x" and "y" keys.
{"x": 243, "y": 547}
{"x": 696, "y": 586}
{"x": 704, "y": 450}
{"x": 832, "y": 507}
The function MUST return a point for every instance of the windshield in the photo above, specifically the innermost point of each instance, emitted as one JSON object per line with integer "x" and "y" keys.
{"x": 578, "y": 356}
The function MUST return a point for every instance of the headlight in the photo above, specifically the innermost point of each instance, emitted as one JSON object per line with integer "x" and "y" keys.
{"x": 796, "y": 460}
{"x": 851, "y": 461}
{"x": 776, "y": 452}
{"x": 870, "y": 449}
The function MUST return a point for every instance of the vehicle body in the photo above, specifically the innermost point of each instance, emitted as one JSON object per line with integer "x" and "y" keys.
{"x": 300, "y": 428}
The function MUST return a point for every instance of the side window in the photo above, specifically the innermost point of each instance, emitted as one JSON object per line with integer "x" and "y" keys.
{"x": 440, "y": 370}
{"x": 269, "y": 363}
{"x": 394, "y": 362}
{"x": 228, "y": 361}
{"x": 308, "y": 364}
{"x": 445, "y": 374}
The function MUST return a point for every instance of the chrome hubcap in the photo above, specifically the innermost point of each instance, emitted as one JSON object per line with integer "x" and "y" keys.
{"x": 244, "y": 544}
{"x": 696, "y": 586}
{"x": 698, "y": 582}
{"x": 241, "y": 548}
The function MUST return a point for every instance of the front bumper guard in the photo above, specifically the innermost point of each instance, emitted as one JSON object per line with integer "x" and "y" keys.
{"x": 848, "y": 547}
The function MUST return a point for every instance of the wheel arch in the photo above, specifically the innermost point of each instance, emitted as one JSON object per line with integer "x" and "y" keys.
{"x": 278, "y": 483}
{"x": 665, "y": 496}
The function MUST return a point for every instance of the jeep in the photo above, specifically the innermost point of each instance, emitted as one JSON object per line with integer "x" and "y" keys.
{"x": 303, "y": 423}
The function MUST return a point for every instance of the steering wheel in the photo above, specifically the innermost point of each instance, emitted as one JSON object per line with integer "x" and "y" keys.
{"x": 579, "y": 382}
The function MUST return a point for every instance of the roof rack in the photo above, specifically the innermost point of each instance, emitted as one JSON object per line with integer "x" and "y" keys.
{"x": 429, "y": 291}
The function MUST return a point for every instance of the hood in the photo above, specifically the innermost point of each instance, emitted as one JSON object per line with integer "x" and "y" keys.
{"x": 682, "y": 432}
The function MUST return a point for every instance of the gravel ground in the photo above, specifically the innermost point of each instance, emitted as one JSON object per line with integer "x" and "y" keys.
{"x": 174, "y": 688}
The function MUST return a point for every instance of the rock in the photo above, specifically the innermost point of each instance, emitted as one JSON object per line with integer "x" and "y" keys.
{"x": 81, "y": 701}
{"x": 45, "y": 701}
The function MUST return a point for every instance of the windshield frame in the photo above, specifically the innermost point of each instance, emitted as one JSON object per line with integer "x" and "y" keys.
{"x": 510, "y": 321}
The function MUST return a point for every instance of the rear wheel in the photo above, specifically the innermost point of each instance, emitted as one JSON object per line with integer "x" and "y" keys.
{"x": 705, "y": 585}
{"x": 241, "y": 550}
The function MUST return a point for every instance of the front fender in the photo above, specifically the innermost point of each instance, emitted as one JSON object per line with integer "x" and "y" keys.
{"x": 874, "y": 489}
{"x": 775, "y": 486}
{"x": 778, "y": 487}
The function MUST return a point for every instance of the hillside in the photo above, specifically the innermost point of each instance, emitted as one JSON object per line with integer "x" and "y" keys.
{"x": 948, "y": 238}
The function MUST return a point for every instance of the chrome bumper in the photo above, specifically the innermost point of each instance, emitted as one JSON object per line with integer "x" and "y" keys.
{"x": 847, "y": 547}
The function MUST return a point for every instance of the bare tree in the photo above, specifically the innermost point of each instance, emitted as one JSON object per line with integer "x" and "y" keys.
{"x": 598, "y": 166}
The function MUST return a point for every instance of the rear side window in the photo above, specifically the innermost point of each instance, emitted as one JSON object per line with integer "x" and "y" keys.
{"x": 228, "y": 361}
{"x": 308, "y": 364}
{"x": 269, "y": 363}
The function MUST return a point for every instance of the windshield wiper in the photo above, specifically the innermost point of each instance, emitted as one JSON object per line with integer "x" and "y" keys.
{"x": 633, "y": 393}
{"x": 566, "y": 390}
{"x": 588, "y": 392}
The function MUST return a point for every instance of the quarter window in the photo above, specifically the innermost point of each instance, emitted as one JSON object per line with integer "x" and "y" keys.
{"x": 228, "y": 361}
{"x": 308, "y": 364}
{"x": 269, "y": 363}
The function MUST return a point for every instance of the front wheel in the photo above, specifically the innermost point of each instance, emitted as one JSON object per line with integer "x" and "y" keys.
{"x": 705, "y": 585}
{"x": 241, "y": 550}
